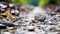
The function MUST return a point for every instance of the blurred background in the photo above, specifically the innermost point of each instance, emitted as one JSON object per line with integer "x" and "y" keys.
{"x": 33, "y": 2}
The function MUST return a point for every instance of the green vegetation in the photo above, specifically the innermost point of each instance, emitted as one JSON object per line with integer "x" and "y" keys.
{"x": 32, "y": 2}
